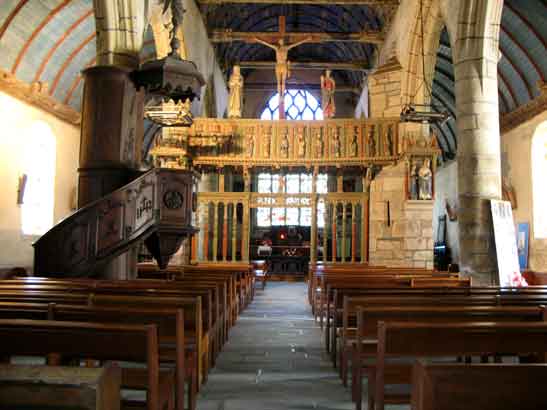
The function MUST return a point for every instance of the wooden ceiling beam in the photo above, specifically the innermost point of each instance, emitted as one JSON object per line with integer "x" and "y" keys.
{"x": 227, "y": 36}
{"x": 311, "y": 65}
{"x": 264, "y": 86}
{"x": 308, "y": 2}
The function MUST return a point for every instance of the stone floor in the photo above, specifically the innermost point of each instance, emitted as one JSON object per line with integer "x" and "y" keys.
{"x": 275, "y": 359}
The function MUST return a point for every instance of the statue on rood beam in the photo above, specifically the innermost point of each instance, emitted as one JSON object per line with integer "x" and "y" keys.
{"x": 328, "y": 86}
{"x": 235, "y": 101}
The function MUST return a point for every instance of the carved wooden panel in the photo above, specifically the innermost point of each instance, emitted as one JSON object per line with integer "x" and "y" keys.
{"x": 257, "y": 142}
{"x": 157, "y": 203}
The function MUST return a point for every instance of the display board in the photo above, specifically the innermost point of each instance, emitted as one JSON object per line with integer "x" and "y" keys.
{"x": 506, "y": 244}
{"x": 523, "y": 238}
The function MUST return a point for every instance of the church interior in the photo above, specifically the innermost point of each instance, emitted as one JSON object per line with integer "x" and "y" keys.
{"x": 273, "y": 204}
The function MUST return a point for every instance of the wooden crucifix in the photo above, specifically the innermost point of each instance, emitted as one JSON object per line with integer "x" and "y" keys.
{"x": 282, "y": 67}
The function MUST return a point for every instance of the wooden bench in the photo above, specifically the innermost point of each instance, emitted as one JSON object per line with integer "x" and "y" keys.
{"x": 77, "y": 340}
{"x": 417, "y": 340}
{"x": 170, "y": 324}
{"x": 494, "y": 386}
{"x": 62, "y": 388}
{"x": 198, "y": 320}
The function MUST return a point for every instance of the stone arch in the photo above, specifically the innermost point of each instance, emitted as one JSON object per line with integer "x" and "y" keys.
{"x": 433, "y": 25}
{"x": 120, "y": 27}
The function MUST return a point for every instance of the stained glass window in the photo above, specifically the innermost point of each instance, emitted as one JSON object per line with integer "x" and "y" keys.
{"x": 290, "y": 184}
{"x": 299, "y": 105}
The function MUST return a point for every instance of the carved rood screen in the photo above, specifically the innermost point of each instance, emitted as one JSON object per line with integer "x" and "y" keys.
{"x": 250, "y": 142}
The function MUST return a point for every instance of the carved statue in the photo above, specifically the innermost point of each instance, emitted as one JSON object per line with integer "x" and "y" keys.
{"x": 424, "y": 179}
{"x": 177, "y": 15}
{"x": 282, "y": 66}
{"x": 413, "y": 180}
{"x": 251, "y": 145}
{"x": 353, "y": 148}
{"x": 284, "y": 147}
{"x": 319, "y": 145}
{"x": 267, "y": 142}
{"x": 235, "y": 101}
{"x": 328, "y": 87}
{"x": 301, "y": 152}
{"x": 389, "y": 140}
{"x": 336, "y": 147}
{"x": 371, "y": 142}
{"x": 368, "y": 180}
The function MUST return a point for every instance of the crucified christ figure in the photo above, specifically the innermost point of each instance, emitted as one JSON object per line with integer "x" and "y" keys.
{"x": 282, "y": 65}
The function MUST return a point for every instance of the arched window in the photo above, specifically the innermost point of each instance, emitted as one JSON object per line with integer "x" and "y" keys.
{"x": 539, "y": 171}
{"x": 39, "y": 171}
{"x": 299, "y": 105}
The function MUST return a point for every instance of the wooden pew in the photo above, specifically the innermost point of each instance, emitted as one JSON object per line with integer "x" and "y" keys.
{"x": 170, "y": 324}
{"x": 455, "y": 386}
{"x": 331, "y": 305}
{"x": 62, "y": 388}
{"x": 415, "y": 340}
{"x": 357, "y": 345}
{"x": 199, "y": 319}
{"x": 77, "y": 340}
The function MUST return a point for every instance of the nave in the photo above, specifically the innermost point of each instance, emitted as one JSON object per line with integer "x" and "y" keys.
{"x": 275, "y": 359}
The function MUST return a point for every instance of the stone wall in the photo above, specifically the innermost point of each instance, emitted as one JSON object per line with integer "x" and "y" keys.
{"x": 408, "y": 239}
{"x": 384, "y": 87}
{"x": 517, "y": 148}
{"x": 200, "y": 50}
{"x": 17, "y": 120}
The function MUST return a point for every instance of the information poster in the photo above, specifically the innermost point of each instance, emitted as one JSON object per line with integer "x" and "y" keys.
{"x": 523, "y": 238}
{"x": 506, "y": 245}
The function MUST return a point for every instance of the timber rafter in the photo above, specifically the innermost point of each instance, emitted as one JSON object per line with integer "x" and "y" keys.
{"x": 227, "y": 36}
{"x": 308, "y": 2}
{"x": 308, "y": 65}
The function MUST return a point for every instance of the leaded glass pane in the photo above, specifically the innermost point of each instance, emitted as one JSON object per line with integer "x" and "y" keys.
{"x": 263, "y": 216}
{"x": 305, "y": 216}
{"x": 305, "y": 183}
{"x": 293, "y": 183}
{"x": 322, "y": 187}
{"x": 292, "y": 216}
{"x": 278, "y": 216}
{"x": 264, "y": 183}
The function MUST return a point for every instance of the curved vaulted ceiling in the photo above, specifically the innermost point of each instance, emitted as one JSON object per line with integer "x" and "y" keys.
{"x": 521, "y": 69}
{"x": 50, "y": 41}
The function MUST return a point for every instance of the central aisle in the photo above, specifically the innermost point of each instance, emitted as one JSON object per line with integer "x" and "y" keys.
{"x": 275, "y": 359}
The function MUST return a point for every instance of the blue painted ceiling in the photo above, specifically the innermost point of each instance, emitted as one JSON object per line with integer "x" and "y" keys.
{"x": 52, "y": 41}
{"x": 521, "y": 69}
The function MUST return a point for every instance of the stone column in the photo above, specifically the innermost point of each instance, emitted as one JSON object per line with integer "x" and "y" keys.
{"x": 111, "y": 133}
{"x": 110, "y": 124}
{"x": 476, "y": 54}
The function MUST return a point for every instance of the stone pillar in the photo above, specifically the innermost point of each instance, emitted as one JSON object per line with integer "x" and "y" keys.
{"x": 110, "y": 131}
{"x": 110, "y": 145}
{"x": 476, "y": 54}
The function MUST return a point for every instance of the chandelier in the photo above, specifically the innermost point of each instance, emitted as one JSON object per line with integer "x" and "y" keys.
{"x": 423, "y": 113}
{"x": 170, "y": 113}
{"x": 171, "y": 83}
